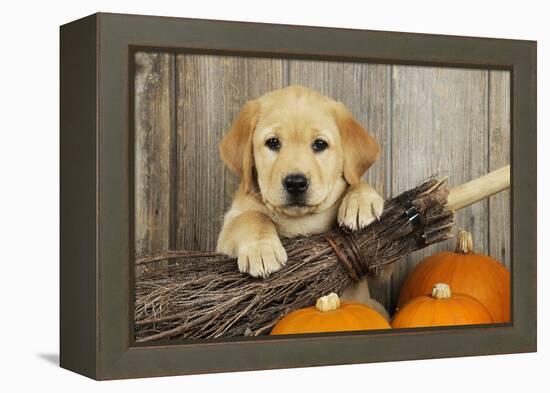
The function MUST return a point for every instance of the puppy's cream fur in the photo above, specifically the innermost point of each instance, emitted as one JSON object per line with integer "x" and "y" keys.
{"x": 261, "y": 214}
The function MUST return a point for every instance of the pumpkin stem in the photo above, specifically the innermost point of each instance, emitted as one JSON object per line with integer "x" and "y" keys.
{"x": 464, "y": 242}
{"x": 441, "y": 291}
{"x": 329, "y": 302}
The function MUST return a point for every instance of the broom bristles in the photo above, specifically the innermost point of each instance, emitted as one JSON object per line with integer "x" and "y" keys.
{"x": 203, "y": 295}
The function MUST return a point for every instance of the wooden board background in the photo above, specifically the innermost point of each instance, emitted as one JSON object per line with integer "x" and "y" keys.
{"x": 427, "y": 120}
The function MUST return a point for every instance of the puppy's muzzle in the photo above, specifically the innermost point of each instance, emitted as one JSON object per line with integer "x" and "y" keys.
{"x": 296, "y": 184}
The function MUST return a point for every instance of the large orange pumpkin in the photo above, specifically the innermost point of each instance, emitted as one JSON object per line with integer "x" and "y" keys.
{"x": 329, "y": 315}
{"x": 479, "y": 276}
{"x": 441, "y": 309}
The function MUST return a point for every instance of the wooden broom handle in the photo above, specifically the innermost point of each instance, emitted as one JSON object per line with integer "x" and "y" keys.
{"x": 480, "y": 188}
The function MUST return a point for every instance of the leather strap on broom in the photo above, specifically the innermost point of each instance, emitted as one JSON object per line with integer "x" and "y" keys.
{"x": 203, "y": 295}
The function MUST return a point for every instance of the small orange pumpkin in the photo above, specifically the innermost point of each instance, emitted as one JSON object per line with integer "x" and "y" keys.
{"x": 479, "y": 276}
{"x": 329, "y": 315}
{"x": 441, "y": 309}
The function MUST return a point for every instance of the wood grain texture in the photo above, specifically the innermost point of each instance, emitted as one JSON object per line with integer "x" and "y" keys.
{"x": 154, "y": 140}
{"x": 479, "y": 189}
{"x": 211, "y": 90}
{"x": 499, "y": 156}
{"x": 365, "y": 90}
{"x": 439, "y": 120}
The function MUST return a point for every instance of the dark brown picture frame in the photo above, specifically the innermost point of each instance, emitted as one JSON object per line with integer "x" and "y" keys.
{"x": 97, "y": 266}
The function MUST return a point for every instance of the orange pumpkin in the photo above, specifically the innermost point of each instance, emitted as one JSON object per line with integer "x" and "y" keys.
{"x": 329, "y": 315}
{"x": 479, "y": 276}
{"x": 441, "y": 309}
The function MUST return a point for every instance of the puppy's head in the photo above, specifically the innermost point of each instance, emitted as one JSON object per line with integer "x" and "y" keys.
{"x": 298, "y": 149}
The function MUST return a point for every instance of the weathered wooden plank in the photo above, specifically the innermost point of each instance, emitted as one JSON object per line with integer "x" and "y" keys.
{"x": 439, "y": 126}
{"x": 499, "y": 156}
{"x": 210, "y": 92}
{"x": 365, "y": 90}
{"x": 154, "y": 139}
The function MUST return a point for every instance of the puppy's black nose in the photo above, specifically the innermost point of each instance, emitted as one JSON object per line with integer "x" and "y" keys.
{"x": 295, "y": 183}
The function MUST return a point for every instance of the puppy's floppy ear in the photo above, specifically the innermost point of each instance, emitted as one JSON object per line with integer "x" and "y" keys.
{"x": 236, "y": 145}
{"x": 360, "y": 149}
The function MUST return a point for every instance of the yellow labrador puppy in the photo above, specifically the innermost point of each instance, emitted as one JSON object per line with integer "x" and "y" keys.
{"x": 300, "y": 156}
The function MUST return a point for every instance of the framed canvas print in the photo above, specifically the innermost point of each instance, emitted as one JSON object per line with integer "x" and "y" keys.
{"x": 241, "y": 196}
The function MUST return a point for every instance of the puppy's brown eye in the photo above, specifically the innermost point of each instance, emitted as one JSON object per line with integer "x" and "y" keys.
{"x": 273, "y": 144}
{"x": 319, "y": 145}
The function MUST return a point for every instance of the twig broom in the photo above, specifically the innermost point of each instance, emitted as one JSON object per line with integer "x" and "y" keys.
{"x": 203, "y": 295}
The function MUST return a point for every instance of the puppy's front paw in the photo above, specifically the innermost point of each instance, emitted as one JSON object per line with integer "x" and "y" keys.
{"x": 359, "y": 208}
{"x": 262, "y": 257}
